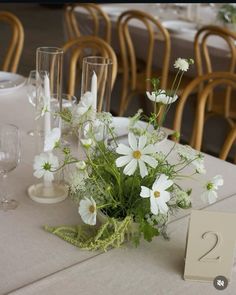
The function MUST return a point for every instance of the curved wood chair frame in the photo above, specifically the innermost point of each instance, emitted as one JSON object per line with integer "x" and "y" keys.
{"x": 202, "y": 57}
{"x": 212, "y": 80}
{"x": 230, "y": 139}
{"x": 78, "y": 45}
{"x": 15, "y": 47}
{"x": 96, "y": 14}
{"x": 128, "y": 56}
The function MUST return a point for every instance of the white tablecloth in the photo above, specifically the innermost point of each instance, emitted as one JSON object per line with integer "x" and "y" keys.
{"x": 35, "y": 262}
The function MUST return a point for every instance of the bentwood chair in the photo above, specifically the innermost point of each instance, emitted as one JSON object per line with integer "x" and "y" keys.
{"x": 14, "y": 50}
{"x": 81, "y": 47}
{"x": 205, "y": 64}
{"x": 136, "y": 82}
{"x": 228, "y": 144}
{"x": 100, "y": 21}
{"x": 210, "y": 83}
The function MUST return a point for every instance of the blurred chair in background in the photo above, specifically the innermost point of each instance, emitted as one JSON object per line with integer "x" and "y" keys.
{"x": 16, "y": 42}
{"x": 228, "y": 144}
{"x": 221, "y": 101}
{"x": 135, "y": 82}
{"x": 100, "y": 22}
{"x": 210, "y": 83}
{"x": 79, "y": 48}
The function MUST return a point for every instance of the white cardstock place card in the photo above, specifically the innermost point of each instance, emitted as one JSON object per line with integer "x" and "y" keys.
{"x": 210, "y": 245}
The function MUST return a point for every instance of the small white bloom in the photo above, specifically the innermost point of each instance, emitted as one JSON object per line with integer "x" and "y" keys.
{"x": 81, "y": 165}
{"x": 161, "y": 97}
{"x": 96, "y": 129}
{"x": 210, "y": 195}
{"x": 137, "y": 153}
{"x": 44, "y": 164}
{"x": 158, "y": 194}
{"x": 86, "y": 142}
{"x": 52, "y": 139}
{"x": 88, "y": 211}
{"x": 181, "y": 64}
{"x": 189, "y": 154}
{"x": 183, "y": 199}
{"x": 85, "y": 104}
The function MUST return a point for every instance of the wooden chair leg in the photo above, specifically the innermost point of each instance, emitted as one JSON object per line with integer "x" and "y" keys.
{"x": 228, "y": 143}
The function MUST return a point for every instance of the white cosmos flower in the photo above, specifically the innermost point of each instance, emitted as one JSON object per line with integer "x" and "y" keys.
{"x": 210, "y": 194}
{"x": 52, "y": 139}
{"x": 44, "y": 164}
{"x": 85, "y": 104}
{"x": 181, "y": 64}
{"x": 158, "y": 194}
{"x": 81, "y": 165}
{"x": 87, "y": 143}
{"x": 137, "y": 153}
{"x": 96, "y": 128}
{"x": 189, "y": 154}
{"x": 161, "y": 97}
{"x": 88, "y": 211}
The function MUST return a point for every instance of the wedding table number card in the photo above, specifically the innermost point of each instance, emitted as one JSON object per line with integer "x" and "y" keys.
{"x": 210, "y": 245}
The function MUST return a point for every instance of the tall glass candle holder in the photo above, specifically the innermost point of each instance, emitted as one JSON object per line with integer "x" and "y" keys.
{"x": 96, "y": 77}
{"x": 97, "y": 81}
{"x": 49, "y": 62}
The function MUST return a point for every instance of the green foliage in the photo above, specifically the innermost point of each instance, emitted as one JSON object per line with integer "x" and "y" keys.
{"x": 148, "y": 231}
{"x": 109, "y": 235}
{"x": 227, "y": 13}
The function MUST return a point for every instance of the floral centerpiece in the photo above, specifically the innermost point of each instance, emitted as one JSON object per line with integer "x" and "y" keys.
{"x": 124, "y": 191}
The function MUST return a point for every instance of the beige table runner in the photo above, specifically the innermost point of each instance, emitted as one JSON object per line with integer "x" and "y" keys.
{"x": 152, "y": 269}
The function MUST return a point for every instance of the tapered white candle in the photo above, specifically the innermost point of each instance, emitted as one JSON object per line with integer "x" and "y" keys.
{"x": 47, "y": 126}
{"x": 94, "y": 90}
{"x": 47, "y": 116}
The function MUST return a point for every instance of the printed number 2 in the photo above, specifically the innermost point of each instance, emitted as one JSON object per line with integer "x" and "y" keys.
{"x": 204, "y": 257}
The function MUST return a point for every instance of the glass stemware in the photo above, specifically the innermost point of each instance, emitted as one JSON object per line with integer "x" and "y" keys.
{"x": 9, "y": 159}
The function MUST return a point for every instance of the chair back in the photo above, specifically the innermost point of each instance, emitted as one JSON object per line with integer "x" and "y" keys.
{"x": 100, "y": 21}
{"x": 212, "y": 82}
{"x": 14, "y": 49}
{"x": 154, "y": 31}
{"x": 81, "y": 47}
{"x": 204, "y": 58}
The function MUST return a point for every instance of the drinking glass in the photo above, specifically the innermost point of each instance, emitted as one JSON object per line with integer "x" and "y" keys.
{"x": 9, "y": 159}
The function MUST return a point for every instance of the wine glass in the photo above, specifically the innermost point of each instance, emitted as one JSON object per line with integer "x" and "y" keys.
{"x": 9, "y": 159}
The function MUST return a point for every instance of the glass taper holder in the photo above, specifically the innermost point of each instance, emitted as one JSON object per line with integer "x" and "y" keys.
{"x": 49, "y": 62}
{"x": 96, "y": 77}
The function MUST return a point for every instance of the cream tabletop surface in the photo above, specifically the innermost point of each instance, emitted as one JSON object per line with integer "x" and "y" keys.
{"x": 35, "y": 262}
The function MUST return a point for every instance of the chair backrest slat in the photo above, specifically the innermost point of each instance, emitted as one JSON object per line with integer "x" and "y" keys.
{"x": 15, "y": 47}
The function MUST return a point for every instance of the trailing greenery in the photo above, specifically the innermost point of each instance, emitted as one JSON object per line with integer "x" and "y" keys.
{"x": 109, "y": 235}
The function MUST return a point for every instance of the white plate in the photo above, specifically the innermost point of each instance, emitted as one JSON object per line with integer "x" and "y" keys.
{"x": 121, "y": 124}
{"x": 179, "y": 26}
{"x": 9, "y": 82}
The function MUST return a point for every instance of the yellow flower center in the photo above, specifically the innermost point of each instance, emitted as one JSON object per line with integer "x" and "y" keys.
{"x": 137, "y": 154}
{"x": 91, "y": 209}
{"x": 156, "y": 194}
